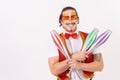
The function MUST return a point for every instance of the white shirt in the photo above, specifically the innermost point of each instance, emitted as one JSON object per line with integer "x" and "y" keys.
{"x": 73, "y": 46}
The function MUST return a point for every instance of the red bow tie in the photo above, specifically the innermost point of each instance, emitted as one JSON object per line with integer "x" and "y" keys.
{"x": 73, "y": 35}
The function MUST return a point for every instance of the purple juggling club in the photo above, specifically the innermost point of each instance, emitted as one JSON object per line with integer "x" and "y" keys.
{"x": 102, "y": 38}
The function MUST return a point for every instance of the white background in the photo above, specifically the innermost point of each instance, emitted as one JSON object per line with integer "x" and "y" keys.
{"x": 25, "y": 27}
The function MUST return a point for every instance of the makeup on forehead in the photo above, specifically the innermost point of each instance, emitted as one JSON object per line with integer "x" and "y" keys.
{"x": 69, "y": 13}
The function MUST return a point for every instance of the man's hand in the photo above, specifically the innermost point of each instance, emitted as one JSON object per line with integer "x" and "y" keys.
{"x": 73, "y": 64}
{"x": 80, "y": 56}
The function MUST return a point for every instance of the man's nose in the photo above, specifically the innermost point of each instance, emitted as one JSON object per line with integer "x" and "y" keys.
{"x": 70, "y": 19}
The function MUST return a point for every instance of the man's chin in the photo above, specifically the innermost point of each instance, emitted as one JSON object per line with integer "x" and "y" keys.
{"x": 72, "y": 30}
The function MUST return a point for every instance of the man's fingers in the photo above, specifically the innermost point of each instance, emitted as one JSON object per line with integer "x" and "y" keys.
{"x": 86, "y": 56}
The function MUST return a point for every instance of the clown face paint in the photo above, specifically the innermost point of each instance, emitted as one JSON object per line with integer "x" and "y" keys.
{"x": 69, "y": 20}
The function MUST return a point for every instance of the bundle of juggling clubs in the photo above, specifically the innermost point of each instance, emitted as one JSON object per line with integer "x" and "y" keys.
{"x": 92, "y": 42}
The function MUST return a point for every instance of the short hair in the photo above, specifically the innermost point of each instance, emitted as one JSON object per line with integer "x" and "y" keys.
{"x": 64, "y": 9}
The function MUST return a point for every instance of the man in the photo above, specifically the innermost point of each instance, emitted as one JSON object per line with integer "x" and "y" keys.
{"x": 85, "y": 64}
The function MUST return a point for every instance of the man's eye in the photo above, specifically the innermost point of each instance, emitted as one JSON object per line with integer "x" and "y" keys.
{"x": 65, "y": 17}
{"x": 73, "y": 17}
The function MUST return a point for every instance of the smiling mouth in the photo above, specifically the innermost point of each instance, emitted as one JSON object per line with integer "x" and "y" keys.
{"x": 72, "y": 23}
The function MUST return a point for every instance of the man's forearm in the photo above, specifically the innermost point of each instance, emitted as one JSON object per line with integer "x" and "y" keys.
{"x": 59, "y": 67}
